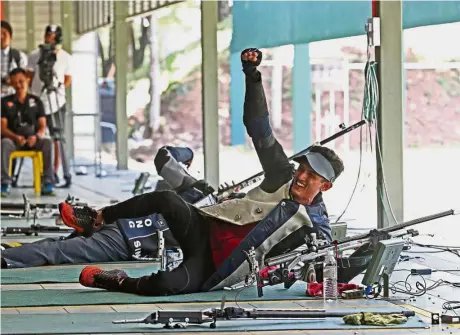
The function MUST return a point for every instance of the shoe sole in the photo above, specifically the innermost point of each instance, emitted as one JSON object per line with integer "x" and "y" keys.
{"x": 68, "y": 221}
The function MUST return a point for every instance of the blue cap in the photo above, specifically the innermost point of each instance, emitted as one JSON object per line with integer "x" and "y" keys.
{"x": 319, "y": 164}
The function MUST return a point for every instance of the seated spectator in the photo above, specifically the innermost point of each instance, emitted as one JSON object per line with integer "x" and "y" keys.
{"x": 23, "y": 128}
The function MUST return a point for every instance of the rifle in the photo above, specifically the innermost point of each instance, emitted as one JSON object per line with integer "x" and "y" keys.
{"x": 226, "y": 190}
{"x": 180, "y": 319}
{"x": 34, "y": 229}
{"x": 293, "y": 265}
{"x": 27, "y": 210}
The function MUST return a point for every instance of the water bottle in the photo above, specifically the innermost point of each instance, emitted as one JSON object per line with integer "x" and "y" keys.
{"x": 330, "y": 277}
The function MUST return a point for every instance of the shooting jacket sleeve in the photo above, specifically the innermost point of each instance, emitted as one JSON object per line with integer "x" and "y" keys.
{"x": 278, "y": 171}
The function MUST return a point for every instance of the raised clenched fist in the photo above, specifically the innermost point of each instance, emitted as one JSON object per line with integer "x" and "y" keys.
{"x": 251, "y": 57}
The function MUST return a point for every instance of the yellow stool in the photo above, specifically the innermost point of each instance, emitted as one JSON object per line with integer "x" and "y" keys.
{"x": 37, "y": 160}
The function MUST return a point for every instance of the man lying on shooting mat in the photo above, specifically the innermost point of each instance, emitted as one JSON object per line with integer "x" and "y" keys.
{"x": 114, "y": 242}
{"x": 273, "y": 218}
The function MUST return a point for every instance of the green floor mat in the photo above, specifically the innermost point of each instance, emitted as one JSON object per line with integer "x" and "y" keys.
{"x": 102, "y": 323}
{"x": 69, "y": 273}
{"x": 32, "y": 298}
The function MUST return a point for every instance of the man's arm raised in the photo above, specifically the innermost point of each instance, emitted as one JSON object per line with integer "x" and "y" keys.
{"x": 272, "y": 157}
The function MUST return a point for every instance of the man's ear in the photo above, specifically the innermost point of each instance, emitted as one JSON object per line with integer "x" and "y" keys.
{"x": 326, "y": 186}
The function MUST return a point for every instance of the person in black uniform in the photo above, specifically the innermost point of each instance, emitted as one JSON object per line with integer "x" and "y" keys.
{"x": 23, "y": 128}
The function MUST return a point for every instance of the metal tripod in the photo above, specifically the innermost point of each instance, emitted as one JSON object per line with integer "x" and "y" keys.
{"x": 58, "y": 133}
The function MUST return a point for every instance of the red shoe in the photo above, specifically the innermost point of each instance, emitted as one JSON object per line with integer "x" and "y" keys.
{"x": 93, "y": 276}
{"x": 82, "y": 219}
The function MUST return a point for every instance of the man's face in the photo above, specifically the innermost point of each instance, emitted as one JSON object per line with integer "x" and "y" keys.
{"x": 6, "y": 38}
{"x": 307, "y": 184}
{"x": 20, "y": 82}
{"x": 50, "y": 38}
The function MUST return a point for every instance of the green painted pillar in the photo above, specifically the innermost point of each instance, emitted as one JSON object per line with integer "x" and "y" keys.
{"x": 237, "y": 91}
{"x": 301, "y": 97}
{"x": 210, "y": 89}
{"x": 121, "y": 11}
{"x": 390, "y": 115}
{"x": 67, "y": 24}
{"x": 30, "y": 26}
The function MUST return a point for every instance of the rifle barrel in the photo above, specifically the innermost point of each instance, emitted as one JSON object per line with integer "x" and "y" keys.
{"x": 299, "y": 314}
{"x": 11, "y": 206}
{"x": 401, "y": 225}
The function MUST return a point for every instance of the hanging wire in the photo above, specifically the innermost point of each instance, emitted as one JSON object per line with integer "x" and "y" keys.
{"x": 368, "y": 113}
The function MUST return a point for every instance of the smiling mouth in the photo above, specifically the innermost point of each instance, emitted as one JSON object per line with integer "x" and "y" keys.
{"x": 300, "y": 184}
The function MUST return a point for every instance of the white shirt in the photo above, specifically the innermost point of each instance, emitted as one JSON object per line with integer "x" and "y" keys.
{"x": 62, "y": 67}
{"x": 7, "y": 67}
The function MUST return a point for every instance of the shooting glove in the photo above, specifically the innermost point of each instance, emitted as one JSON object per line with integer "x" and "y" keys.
{"x": 249, "y": 67}
{"x": 204, "y": 187}
{"x": 93, "y": 276}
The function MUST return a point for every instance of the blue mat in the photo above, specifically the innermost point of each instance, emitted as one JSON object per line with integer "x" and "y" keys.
{"x": 67, "y": 273}
{"x": 102, "y": 323}
{"x": 34, "y": 298}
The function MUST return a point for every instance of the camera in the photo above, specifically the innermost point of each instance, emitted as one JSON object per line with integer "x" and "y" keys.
{"x": 46, "y": 63}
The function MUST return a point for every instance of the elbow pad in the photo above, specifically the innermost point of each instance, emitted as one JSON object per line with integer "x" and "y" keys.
{"x": 260, "y": 131}
{"x": 170, "y": 169}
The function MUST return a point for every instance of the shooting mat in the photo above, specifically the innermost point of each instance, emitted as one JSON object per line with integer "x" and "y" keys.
{"x": 75, "y": 297}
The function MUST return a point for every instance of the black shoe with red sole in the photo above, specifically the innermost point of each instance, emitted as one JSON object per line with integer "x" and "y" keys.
{"x": 81, "y": 218}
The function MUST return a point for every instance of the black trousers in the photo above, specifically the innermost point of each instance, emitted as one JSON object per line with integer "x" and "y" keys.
{"x": 189, "y": 228}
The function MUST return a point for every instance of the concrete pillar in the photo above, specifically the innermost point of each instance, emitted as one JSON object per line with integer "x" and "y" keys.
{"x": 390, "y": 115}
{"x": 30, "y": 26}
{"x": 210, "y": 89}
{"x": 301, "y": 97}
{"x": 121, "y": 11}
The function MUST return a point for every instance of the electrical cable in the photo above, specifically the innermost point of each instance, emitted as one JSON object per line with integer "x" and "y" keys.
{"x": 421, "y": 287}
{"x": 451, "y": 306}
{"x": 370, "y": 103}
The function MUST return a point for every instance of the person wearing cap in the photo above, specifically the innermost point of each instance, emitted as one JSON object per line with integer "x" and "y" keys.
{"x": 11, "y": 58}
{"x": 54, "y": 101}
{"x": 272, "y": 218}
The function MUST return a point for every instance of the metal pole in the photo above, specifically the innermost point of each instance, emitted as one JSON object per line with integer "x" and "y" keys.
{"x": 67, "y": 23}
{"x": 390, "y": 115}
{"x": 121, "y": 11}
{"x": 210, "y": 85}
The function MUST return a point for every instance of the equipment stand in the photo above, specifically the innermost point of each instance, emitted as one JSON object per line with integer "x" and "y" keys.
{"x": 60, "y": 131}
{"x": 386, "y": 285}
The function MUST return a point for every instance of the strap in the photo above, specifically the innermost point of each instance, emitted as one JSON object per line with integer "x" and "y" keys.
{"x": 353, "y": 262}
{"x": 13, "y": 55}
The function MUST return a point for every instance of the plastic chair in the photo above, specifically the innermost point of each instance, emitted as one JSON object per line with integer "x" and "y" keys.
{"x": 37, "y": 160}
